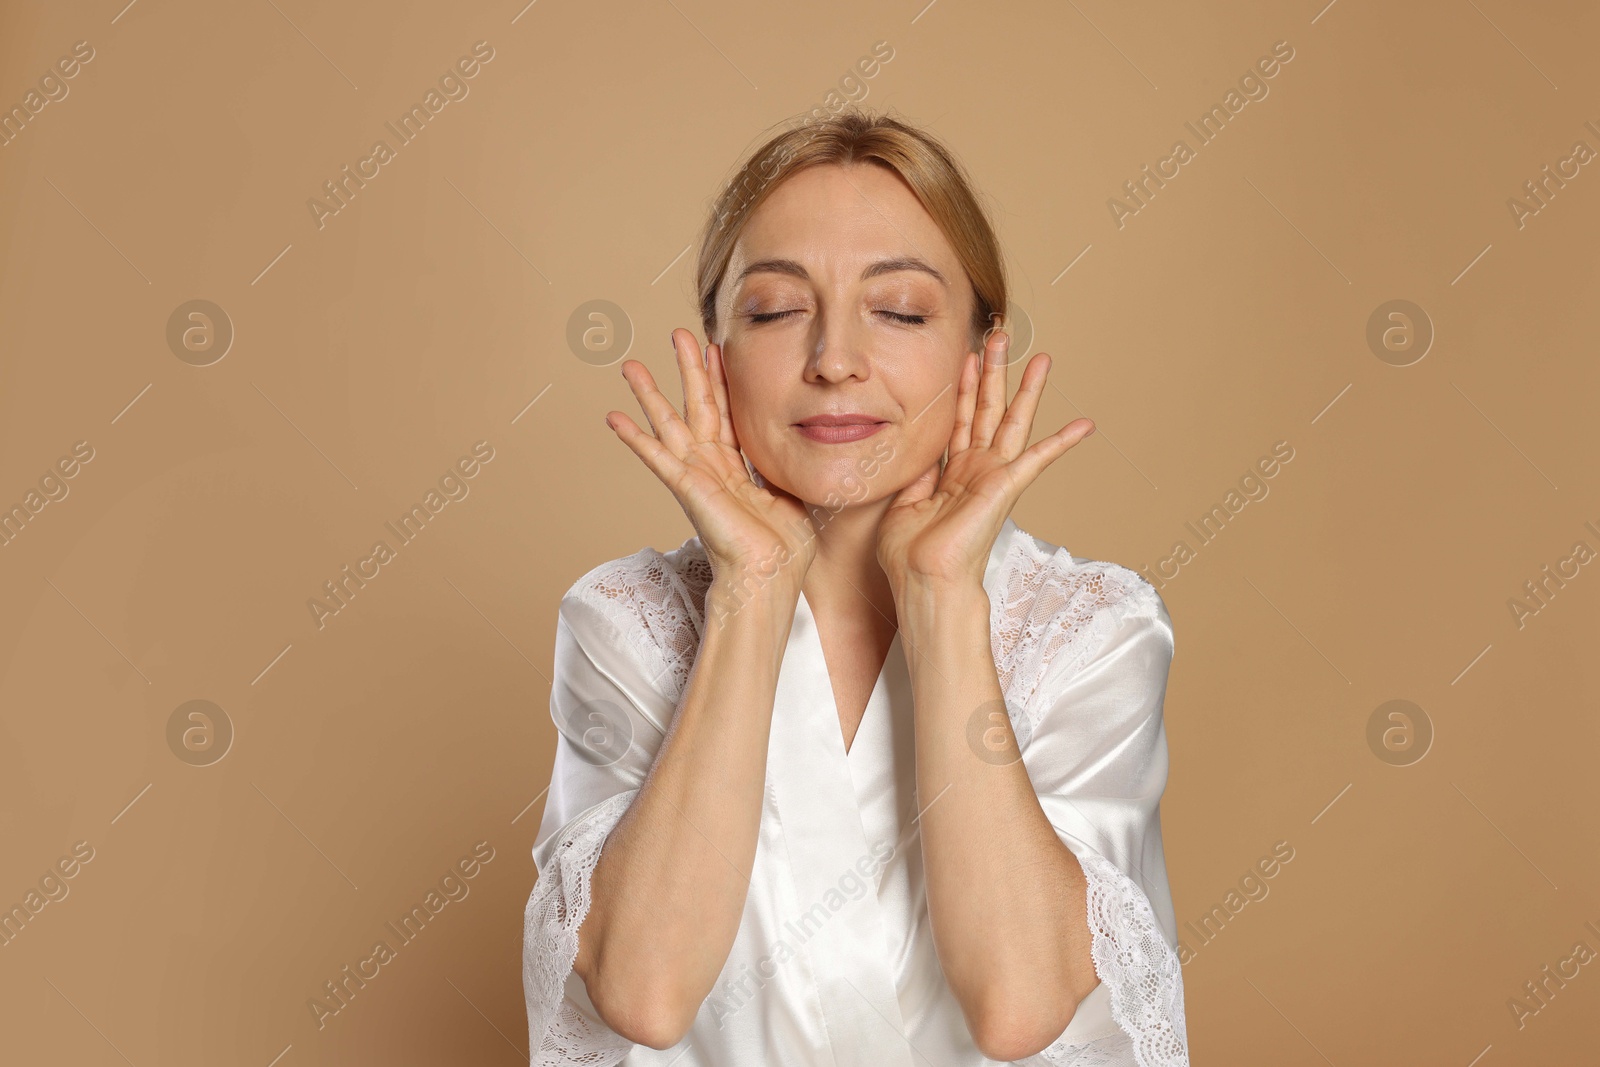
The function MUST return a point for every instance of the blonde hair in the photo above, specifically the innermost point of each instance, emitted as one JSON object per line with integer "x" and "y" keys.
{"x": 855, "y": 135}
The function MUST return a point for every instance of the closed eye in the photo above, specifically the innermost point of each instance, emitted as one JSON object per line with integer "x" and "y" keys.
{"x": 773, "y": 316}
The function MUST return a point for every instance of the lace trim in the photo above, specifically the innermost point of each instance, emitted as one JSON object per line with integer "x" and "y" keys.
{"x": 1139, "y": 969}
{"x": 557, "y": 1032}
{"x": 1114, "y": 1051}
{"x": 1053, "y": 612}
{"x": 656, "y": 601}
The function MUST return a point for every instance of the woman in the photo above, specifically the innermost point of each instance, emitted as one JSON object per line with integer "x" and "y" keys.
{"x": 863, "y": 773}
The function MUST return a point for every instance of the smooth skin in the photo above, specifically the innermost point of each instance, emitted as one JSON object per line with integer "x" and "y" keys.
{"x": 843, "y": 295}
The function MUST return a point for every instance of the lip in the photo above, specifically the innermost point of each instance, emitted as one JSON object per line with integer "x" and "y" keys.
{"x": 836, "y": 428}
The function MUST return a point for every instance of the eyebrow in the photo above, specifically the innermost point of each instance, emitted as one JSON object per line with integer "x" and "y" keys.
{"x": 882, "y": 266}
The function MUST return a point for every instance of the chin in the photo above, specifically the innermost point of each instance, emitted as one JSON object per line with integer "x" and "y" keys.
{"x": 841, "y": 486}
{"x": 816, "y": 488}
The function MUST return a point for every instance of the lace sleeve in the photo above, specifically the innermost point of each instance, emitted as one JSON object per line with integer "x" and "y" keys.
{"x": 623, "y": 635}
{"x": 559, "y": 1032}
{"x": 1096, "y": 753}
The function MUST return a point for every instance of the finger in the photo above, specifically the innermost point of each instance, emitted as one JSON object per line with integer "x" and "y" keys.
{"x": 1028, "y": 466}
{"x": 662, "y": 463}
{"x": 966, "y": 393}
{"x": 719, "y": 390}
{"x": 991, "y": 390}
{"x": 664, "y": 418}
{"x": 699, "y": 407}
{"x": 1012, "y": 436}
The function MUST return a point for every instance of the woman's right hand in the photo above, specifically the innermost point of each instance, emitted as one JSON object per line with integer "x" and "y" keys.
{"x": 749, "y": 532}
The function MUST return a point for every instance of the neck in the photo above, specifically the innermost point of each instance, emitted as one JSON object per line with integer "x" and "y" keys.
{"x": 845, "y": 571}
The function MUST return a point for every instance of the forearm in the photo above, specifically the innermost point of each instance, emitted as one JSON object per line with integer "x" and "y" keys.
{"x": 1006, "y": 899}
{"x": 669, "y": 890}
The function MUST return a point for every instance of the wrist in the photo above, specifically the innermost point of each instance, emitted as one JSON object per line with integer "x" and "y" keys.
{"x": 922, "y": 602}
{"x": 912, "y": 587}
{"x": 737, "y": 589}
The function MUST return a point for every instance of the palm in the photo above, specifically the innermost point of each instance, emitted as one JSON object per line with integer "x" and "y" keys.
{"x": 943, "y": 525}
{"x": 696, "y": 455}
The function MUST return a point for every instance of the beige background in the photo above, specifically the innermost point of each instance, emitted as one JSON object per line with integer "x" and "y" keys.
{"x": 369, "y": 355}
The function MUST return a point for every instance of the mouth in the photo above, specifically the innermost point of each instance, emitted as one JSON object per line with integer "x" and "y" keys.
{"x": 834, "y": 429}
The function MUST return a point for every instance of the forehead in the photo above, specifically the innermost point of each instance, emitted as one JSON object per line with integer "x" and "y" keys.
{"x": 842, "y": 216}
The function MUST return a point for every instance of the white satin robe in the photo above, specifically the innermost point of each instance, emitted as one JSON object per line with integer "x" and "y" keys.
{"x": 834, "y": 962}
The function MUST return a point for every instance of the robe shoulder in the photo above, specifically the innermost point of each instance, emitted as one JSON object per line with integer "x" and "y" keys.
{"x": 1052, "y": 612}
{"x": 653, "y": 602}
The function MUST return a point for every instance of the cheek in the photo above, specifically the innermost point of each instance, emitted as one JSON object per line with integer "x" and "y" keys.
{"x": 925, "y": 441}
{"x": 744, "y": 395}
{"x": 929, "y": 395}
{"x": 755, "y": 410}
{"x": 761, "y": 379}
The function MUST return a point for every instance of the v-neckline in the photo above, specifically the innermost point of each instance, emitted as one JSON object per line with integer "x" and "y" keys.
{"x": 877, "y": 694}
{"x": 874, "y": 695}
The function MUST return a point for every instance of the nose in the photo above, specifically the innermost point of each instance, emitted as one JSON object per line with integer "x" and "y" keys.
{"x": 839, "y": 351}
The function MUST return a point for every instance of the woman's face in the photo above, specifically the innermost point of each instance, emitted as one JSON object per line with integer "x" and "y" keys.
{"x": 843, "y": 298}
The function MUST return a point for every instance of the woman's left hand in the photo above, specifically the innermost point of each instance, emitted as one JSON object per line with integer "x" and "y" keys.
{"x": 941, "y": 528}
